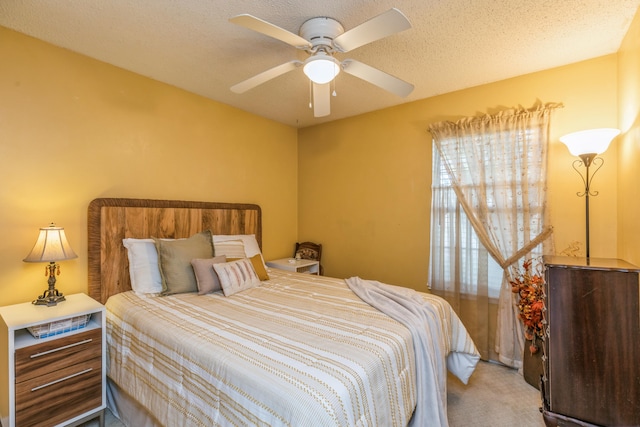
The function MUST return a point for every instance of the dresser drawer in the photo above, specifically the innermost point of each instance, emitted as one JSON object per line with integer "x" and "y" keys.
{"x": 40, "y": 359}
{"x": 63, "y": 393}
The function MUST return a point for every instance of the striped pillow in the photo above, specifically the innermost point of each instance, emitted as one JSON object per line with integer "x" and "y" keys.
{"x": 230, "y": 248}
{"x": 236, "y": 276}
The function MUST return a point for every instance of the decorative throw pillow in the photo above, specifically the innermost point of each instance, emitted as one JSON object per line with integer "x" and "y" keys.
{"x": 258, "y": 266}
{"x": 230, "y": 248}
{"x": 251, "y": 246}
{"x": 236, "y": 276}
{"x": 206, "y": 276}
{"x": 174, "y": 259}
{"x": 143, "y": 266}
{"x": 307, "y": 253}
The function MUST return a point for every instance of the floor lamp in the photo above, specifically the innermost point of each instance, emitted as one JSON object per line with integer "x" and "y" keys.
{"x": 587, "y": 145}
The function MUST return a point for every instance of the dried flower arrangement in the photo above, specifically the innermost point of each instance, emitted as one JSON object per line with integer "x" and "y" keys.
{"x": 528, "y": 285}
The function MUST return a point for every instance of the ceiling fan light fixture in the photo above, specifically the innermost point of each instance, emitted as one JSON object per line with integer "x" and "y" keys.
{"x": 321, "y": 68}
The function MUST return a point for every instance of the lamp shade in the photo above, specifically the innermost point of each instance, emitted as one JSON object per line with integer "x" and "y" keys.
{"x": 51, "y": 246}
{"x": 321, "y": 68}
{"x": 592, "y": 141}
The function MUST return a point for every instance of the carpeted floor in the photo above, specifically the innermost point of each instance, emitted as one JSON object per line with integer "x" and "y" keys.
{"x": 496, "y": 396}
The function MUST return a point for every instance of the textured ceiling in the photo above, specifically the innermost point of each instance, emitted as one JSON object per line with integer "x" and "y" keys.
{"x": 452, "y": 45}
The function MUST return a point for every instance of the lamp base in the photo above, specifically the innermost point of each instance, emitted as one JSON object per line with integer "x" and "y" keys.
{"x": 50, "y": 297}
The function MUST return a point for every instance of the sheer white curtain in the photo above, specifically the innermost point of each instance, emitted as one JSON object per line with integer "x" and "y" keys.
{"x": 488, "y": 212}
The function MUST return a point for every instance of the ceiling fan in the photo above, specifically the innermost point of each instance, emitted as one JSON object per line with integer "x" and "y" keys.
{"x": 322, "y": 38}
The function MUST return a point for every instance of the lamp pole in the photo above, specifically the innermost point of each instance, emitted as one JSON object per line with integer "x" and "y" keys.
{"x": 587, "y": 160}
{"x": 587, "y": 145}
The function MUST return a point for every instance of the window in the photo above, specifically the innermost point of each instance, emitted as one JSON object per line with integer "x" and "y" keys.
{"x": 488, "y": 203}
{"x": 478, "y": 272}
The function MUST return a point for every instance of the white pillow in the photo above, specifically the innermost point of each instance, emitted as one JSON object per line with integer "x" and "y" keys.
{"x": 236, "y": 276}
{"x": 143, "y": 266}
{"x": 251, "y": 246}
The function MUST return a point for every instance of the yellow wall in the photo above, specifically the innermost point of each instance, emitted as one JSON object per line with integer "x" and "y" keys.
{"x": 73, "y": 129}
{"x": 364, "y": 182}
{"x": 629, "y": 145}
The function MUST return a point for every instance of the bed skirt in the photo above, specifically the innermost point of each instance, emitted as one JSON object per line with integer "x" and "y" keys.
{"x": 126, "y": 409}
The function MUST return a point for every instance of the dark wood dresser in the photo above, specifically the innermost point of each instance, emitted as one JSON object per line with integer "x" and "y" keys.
{"x": 592, "y": 342}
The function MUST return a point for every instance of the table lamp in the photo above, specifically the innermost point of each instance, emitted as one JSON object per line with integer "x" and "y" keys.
{"x": 51, "y": 246}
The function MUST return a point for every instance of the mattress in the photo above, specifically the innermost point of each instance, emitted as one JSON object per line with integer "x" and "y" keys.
{"x": 300, "y": 350}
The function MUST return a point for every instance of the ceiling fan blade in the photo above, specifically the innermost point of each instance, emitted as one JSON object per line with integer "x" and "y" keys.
{"x": 388, "y": 23}
{"x": 267, "y": 28}
{"x": 321, "y": 100}
{"x": 269, "y": 74}
{"x": 377, "y": 77}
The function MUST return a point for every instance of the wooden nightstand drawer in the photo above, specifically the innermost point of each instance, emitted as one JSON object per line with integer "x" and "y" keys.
{"x": 37, "y": 360}
{"x": 59, "y": 395}
{"x": 56, "y": 380}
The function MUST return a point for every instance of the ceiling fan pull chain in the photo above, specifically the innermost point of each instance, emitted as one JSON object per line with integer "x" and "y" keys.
{"x": 333, "y": 83}
{"x": 310, "y": 95}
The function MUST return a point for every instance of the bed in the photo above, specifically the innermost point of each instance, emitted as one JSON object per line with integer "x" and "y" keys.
{"x": 292, "y": 349}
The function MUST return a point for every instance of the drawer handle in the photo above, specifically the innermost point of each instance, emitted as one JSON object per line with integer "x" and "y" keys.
{"x": 33, "y": 356}
{"x": 62, "y": 379}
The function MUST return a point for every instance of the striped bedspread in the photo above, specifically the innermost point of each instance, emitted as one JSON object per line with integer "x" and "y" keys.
{"x": 300, "y": 350}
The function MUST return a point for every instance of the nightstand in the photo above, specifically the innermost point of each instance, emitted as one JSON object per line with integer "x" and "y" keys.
{"x": 297, "y": 265}
{"x": 59, "y": 377}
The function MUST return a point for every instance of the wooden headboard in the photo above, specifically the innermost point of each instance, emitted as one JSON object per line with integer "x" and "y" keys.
{"x": 111, "y": 220}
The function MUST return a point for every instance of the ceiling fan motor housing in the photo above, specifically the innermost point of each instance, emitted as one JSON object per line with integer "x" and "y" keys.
{"x": 320, "y": 32}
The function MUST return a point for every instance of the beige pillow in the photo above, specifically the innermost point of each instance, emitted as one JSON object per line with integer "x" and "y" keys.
{"x": 206, "y": 276}
{"x": 174, "y": 260}
{"x": 251, "y": 246}
{"x": 230, "y": 248}
{"x": 236, "y": 276}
